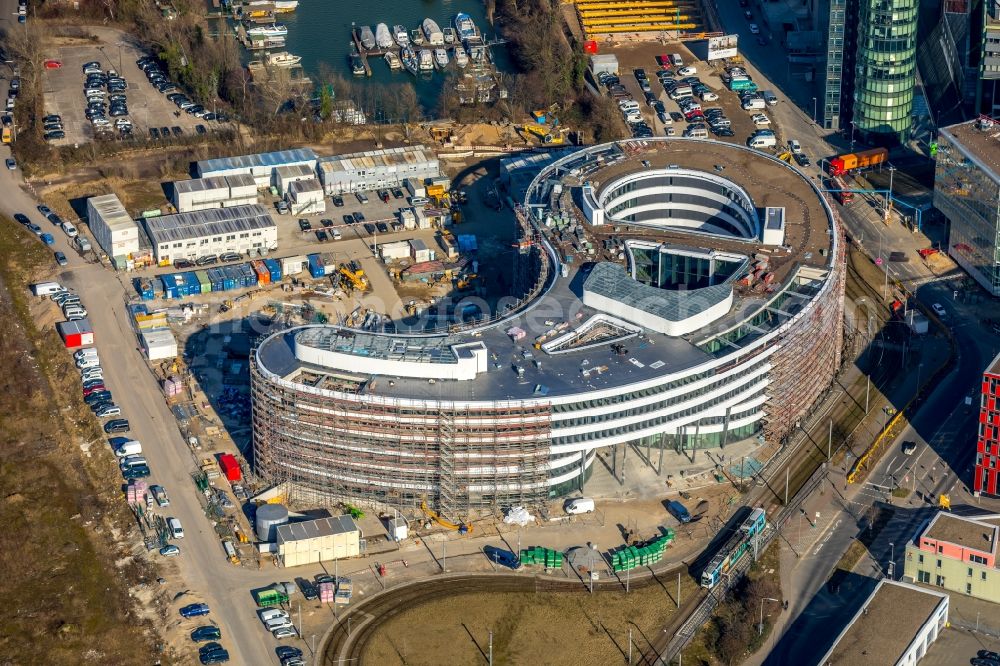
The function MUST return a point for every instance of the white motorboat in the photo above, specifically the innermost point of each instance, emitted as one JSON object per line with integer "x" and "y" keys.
{"x": 461, "y": 57}
{"x": 433, "y": 33}
{"x": 283, "y": 59}
{"x": 401, "y": 35}
{"x": 441, "y": 58}
{"x": 417, "y": 36}
{"x": 426, "y": 60}
{"x": 276, "y": 30}
{"x": 449, "y": 35}
{"x": 367, "y": 38}
{"x": 393, "y": 60}
{"x": 383, "y": 38}
{"x": 285, "y": 6}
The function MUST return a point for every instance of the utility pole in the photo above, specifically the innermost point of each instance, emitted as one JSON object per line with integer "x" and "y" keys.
{"x": 829, "y": 442}
{"x": 630, "y": 646}
{"x": 444, "y": 556}
{"x": 787, "y": 473}
{"x": 678, "y": 589}
{"x": 299, "y": 604}
{"x": 491, "y": 648}
{"x": 628, "y": 575}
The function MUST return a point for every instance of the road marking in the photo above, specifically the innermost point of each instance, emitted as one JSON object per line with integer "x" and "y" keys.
{"x": 827, "y": 534}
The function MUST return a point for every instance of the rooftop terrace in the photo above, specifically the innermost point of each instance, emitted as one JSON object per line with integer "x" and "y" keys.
{"x": 982, "y": 144}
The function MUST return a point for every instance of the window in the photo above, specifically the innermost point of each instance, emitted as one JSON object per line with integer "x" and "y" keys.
{"x": 968, "y": 588}
{"x": 940, "y": 550}
{"x": 939, "y": 581}
{"x": 920, "y": 559}
{"x": 970, "y": 572}
{"x": 982, "y": 575}
{"x": 939, "y": 564}
{"x": 976, "y": 559}
{"x": 923, "y": 576}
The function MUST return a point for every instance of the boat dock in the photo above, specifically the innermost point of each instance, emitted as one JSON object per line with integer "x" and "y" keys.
{"x": 363, "y": 53}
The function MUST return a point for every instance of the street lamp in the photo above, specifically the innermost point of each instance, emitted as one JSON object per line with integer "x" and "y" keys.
{"x": 888, "y": 201}
{"x": 760, "y": 627}
{"x": 892, "y": 561}
{"x": 814, "y": 109}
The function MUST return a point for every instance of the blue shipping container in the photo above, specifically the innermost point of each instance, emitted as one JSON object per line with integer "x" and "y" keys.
{"x": 169, "y": 286}
{"x": 232, "y": 276}
{"x": 316, "y": 267}
{"x": 139, "y": 308}
{"x": 249, "y": 275}
{"x": 274, "y": 266}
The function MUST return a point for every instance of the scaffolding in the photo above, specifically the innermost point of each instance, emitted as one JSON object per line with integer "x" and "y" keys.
{"x": 335, "y": 447}
{"x": 809, "y": 355}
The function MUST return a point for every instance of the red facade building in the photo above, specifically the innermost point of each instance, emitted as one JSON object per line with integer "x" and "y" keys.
{"x": 988, "y": 442}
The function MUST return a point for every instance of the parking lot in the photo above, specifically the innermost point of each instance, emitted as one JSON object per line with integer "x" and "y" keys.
{"x": 64, "y": 93}
{"x": 644, "y": 57}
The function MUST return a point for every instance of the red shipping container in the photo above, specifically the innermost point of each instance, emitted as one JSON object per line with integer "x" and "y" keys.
{"x": 76, "y": 333}
{"x": 230, "y": 467}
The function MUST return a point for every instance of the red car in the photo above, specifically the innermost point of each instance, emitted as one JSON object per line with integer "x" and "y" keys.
{"x": 93, "y": 389}
{"x": 693, "y": 114}
{"x": 663, "y": 60}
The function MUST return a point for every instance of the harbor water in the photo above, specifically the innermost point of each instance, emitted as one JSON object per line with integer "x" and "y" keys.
{"x": 320, "y": 32}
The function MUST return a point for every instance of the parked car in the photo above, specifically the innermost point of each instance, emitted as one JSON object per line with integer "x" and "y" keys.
{"x": 230, "y": 256}
{"x": 939, "y": 310}
{"x": 170, "y": 550}
{"x": 61, "y": 259}
{"x": 321, "y": 236}
{"x": 183, "y": 263}
{"x": 304, "y": 225}
{"x": 116, "y": 425}
{"x": 48, "y": 239}
{"x": 207, "y": 260}
{"x": 11, "y": 164}
{"x": 206, "y": 633}
{"x": 194, "y": 610}
{"x": 338, "y": 200}
{"x": 109, "y": 410}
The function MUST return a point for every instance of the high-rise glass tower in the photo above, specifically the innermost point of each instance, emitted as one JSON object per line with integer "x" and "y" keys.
{"x": 885, "y": 70}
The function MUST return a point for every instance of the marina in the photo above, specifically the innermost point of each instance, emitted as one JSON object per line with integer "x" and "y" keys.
{"x": 429, "y": 48}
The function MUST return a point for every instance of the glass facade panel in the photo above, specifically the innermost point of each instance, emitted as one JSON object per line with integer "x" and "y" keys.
{"x": 969, "y": 196}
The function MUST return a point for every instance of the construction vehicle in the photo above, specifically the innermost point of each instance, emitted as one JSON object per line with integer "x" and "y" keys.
{"x": 355, "y": 276}
{"x": 542, "y": 133}
{"x": 460, "y": 527}
{"x": 786, "y": 157}
{"x": 466, "y": 281}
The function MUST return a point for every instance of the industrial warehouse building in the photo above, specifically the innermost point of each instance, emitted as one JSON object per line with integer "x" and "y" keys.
{"x": 740, "y": 359}
{"x": 313, "y": 541}
{"x": 241, "y": 229}
{"x": 895, "y": 625}
{"x": 214, "y": 192}
{"x": 113, "y": 228}
{"x": 261, "y": 166}
{"x": 376, "y": 169}
{"x": 305, "y": 197}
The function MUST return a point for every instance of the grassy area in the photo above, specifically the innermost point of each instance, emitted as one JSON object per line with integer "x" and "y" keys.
{"x": 66, "y": 601}
{"x": 564, "y": 628}
{"x": 852, "y": 556}
{"x": 733, "y": 632}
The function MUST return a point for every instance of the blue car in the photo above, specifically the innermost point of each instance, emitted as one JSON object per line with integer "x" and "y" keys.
{"x": 502, "y": 557}
{"x": 194, "y": 610}
{"x": 48, "y": 239}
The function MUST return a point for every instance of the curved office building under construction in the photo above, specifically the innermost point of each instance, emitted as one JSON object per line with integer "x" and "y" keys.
{"x": 601, "y": 18}
{"x": 709, "y": 313}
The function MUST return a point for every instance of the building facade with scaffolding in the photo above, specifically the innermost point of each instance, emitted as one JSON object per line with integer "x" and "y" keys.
{"x": 704, "y": 326}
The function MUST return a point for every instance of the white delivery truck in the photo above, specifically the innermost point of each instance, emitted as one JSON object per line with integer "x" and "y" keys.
{"x": 129, "y": 448}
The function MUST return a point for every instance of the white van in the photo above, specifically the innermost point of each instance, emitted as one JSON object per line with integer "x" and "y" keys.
{"x": 74, "y": 311}
{"x": 70, "y": 229}
{"x": 271, "y": 613}
{"x": 579, "y": 505}
{"x": 754, "y": 104}
{"x": 277, "y": 623}
{"x": 681, "y": 91}
{"x": 176, "y": 531}
{"x": 696, "y": 133}
{"x": 419, "y": 201}
{"x": 676, "y": 60}
{"x": 46, "y": 288}
{"x": 129, "y": 448}
{"x": 88, "y": 362}
{"x": 762, "y": 141}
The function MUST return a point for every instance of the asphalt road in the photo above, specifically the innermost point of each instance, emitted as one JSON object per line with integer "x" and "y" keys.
{"x": 202, "y": 564}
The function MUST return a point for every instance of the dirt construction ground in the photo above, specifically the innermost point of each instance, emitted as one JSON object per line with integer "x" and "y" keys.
{"x": 572, "y": 629}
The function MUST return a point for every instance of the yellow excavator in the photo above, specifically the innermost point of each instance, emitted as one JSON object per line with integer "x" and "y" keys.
{"x": 356, "y": 278}
{"x": 542, "y": 132}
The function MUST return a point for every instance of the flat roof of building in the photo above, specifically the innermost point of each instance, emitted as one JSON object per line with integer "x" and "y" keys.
{"x": 371, "y": 159}
{"x": 112, "y": 212}
{"x": 305, "y": 185}
{"x": 277, "y": 158}
{"x": 981, "y": 144}
{"x": 313, "y": 529}
{"x": 213, "y": 183}
{"x": 964, "y": 532}
{"x": 885, "y": 625}
{"x": 294, "y": 171}
{"x": 211, "y": 222}
{"x": 994, "y": 368}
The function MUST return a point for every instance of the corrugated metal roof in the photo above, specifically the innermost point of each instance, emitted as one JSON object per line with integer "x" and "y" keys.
{"x": 307, "y": 185}
{"x": 158, "y": 336}
{"x": 78, "y": 326}
{"x": 294, "y": 170}
{"x": 408, "y": 155}
{"x": 211, "y": 222}
{"x": 417, "y": 244}
{"x": 274, "y": 159}
{"x": 112, "y": 212}
{"x": 201, "y": 184}
{"x": 312, "y": 529}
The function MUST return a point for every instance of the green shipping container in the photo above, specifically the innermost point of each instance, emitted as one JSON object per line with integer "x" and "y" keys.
{"x": 206, "y": 284}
